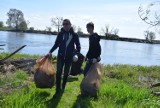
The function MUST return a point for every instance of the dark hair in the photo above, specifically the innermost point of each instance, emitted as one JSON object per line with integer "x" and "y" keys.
{"x": 67, "y": 20}
{"x": 90, "y": 24}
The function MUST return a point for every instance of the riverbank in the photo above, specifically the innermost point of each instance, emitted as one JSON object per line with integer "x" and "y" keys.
{"x": 121, "y": 86}
{"x": 109, "y": 37}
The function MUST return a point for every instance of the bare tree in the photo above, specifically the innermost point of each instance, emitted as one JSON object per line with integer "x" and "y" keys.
{"x": 146, "y": 34}
{"x": 116, "y": 31}
{"x": 150, "y": 15}
{"x": 108, "y": 32}
{"x": 74, "y": 27}
{"x": 48, "y": 29}
{"x": 105, "y": 30}
{"x": 57, "y": 22}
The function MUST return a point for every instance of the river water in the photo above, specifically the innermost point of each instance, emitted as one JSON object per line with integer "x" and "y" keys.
{"x": 113, "y": 52}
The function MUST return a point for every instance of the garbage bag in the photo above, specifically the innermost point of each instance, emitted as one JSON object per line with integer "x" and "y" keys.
{"x": 76, "y": 66}
{"x": 44, "y": 76}
{"x": 91, "y": 82}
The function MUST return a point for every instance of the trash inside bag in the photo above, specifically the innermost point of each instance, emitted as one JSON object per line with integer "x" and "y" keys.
{"x": 44, "y": 76}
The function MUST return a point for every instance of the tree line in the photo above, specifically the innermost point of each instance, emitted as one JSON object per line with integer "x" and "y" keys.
{"x": 17, "y": 22}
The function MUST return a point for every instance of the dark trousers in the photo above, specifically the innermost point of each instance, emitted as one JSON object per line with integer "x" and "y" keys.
{"x": 66, "y": 64}
{"x": 87, "y": 66}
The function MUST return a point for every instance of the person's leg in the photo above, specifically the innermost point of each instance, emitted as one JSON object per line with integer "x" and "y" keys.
{"x": 66, "y": 73}
{"x": 60, "y": 64}
{"x": 87, "y": 67}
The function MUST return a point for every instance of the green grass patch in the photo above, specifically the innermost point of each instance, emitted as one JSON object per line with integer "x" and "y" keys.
{"x": 18, "y": 56}
{"x": 13, "y": 79}
{"x": 122, "y": 86}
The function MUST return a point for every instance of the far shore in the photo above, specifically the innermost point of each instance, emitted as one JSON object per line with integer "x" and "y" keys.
{"x": 109, "y": 37}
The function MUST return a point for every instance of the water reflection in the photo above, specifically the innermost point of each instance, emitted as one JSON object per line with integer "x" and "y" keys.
{"x": 14, "y": 41}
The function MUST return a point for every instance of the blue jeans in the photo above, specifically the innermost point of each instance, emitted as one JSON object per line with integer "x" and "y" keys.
{"x": 60, "y": 64}
{"x": 87, "y": 67}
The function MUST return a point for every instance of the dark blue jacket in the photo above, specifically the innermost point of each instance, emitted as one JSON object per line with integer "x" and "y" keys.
{"x": 66, "y": 41}
{"x": 94, "y": 46}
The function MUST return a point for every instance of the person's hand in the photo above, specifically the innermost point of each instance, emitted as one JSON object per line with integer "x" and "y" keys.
{"x": 99, "y": 59}
{"x": 94, "y": 60}
{"x": 85, "y": 59}
{"x": 75, "y": 58}
{"x": 48, "y": 55}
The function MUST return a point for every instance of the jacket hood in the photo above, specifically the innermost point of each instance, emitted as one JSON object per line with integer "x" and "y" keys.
{"x": 70, "y": 30}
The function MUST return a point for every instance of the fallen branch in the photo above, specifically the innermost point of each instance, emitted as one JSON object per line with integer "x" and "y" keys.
{"x": 1, "y": 61}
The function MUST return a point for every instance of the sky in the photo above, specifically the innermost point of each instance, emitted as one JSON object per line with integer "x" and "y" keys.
{"x": 120, "y": 14}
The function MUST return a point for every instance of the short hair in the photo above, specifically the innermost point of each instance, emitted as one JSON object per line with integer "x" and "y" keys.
{"x": 90, "y": 24}
{"x": 67, "y": 20}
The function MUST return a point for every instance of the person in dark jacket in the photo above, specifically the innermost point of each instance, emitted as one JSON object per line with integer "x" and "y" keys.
{"x": 94, "y": 52}
{"x": 68, "y": 43}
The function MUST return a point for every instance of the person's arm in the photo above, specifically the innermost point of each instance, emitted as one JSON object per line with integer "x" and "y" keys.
{"x": 99, "y": 46}
{"x": 78, "y": 45}
{"x": 95, "y": 47}
{"x": 56, "y": 44}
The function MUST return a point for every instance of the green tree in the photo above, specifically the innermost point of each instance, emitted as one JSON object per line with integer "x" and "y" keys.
{"x": 31, "y": 28}
{"x": 15, "y": 18}
{"x": 149, "y": 36}
{"x": 23, "y": 26}
{"x": 1, "y": 24}
{"x": 152, "y": 37}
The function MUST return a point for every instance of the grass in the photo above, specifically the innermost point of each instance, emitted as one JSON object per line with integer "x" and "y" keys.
{"x": 5, "y": 28}
{"x": 18, "y": 56}
{"x": 122, "y": 86}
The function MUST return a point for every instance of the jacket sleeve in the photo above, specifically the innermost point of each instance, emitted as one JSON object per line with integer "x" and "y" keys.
{"x": 94, "y": 47}
{"x": 99, "y": 53}
{"x": 78, "y": 46}
{"x": 56, "y": 44}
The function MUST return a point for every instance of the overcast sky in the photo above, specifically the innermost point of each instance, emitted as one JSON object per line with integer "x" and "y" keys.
{"x": 121, "y": 14}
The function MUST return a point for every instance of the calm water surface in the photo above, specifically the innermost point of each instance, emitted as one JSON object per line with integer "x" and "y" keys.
{"x": 113, "y": 52}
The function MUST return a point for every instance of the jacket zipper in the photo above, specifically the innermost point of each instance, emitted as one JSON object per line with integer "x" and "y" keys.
{"x": 65, "y": 47}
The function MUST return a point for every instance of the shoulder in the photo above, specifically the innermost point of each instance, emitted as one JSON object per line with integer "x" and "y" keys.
{"x": 75, "y": 34}
{"x": 60, "y": 34}
{"x": 61, "y": 31}
{"x": 95, "y": 35}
